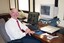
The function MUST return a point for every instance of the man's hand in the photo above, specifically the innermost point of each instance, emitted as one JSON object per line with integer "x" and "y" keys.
{"x": 28, "y": 31}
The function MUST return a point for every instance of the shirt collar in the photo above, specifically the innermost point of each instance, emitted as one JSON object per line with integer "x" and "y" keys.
{"x": 14, "y": 19}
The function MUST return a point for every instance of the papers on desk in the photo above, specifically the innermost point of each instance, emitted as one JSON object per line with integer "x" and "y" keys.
{"x": 49, "y": 37}
{"x": 50, "y": 29}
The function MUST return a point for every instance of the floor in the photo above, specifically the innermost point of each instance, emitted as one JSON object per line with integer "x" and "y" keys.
{"x": 1, "y": 40}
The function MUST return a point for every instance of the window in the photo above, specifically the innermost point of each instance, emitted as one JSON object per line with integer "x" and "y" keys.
{"x": 12, "y": 4}
{"x": 23, "y": 5}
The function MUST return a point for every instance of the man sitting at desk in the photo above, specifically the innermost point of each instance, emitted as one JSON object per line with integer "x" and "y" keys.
{"x": 17, "y": 31}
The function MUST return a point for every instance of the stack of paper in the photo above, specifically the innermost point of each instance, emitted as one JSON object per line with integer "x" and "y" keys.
{"x": 50, "y": 29}
{"x": 49, "y": 36}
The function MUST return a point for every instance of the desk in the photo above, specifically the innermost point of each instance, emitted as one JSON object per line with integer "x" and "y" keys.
{"x": 44, "y": 39}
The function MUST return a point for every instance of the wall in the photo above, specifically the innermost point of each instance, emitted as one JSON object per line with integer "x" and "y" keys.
{"x": 61, "y": 12}
{"x": 4, "y": 6}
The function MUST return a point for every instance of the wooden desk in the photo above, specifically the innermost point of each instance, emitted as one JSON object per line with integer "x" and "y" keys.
{"x": 60, "y": 39}
{"x": 40, "y": 24}
{"x": 44, "y": 39}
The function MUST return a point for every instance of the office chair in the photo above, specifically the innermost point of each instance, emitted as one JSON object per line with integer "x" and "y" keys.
{"x": 3, "y": 31}
{"x": 33, "y": 20}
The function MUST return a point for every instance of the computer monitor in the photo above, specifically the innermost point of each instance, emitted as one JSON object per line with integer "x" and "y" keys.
{"x": 47, "y": 11}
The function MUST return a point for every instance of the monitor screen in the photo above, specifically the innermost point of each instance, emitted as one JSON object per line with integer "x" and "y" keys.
{"x": 47, "y": 11}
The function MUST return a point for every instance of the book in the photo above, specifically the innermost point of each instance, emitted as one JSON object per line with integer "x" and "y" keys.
{"x": 50, "y": 29}
{"x": 39, "y": 32}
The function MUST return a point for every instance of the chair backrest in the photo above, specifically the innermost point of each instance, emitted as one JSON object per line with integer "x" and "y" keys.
{"x": 3, "y": 32}
{"x": 33, "y": 17}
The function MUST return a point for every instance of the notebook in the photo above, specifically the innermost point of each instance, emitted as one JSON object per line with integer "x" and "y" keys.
{"x": 39, "y": 32}
{"x": 50, "y": 29}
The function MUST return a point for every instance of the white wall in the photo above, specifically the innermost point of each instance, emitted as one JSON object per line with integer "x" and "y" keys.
{"x": 61, "y": 12}
{"x": 4, "y": 6}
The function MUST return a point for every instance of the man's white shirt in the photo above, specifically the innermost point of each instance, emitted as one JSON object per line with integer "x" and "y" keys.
{"x": 13, "y": 30}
